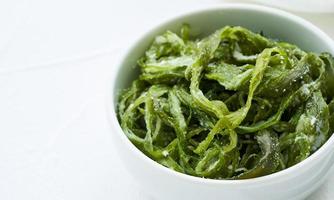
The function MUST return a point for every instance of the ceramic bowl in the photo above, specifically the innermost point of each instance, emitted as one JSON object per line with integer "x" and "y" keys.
{"x": 161, "y": 183}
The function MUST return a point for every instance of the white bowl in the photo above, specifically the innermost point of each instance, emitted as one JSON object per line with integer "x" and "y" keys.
{"x": 312, "y": 6}
{"x": 296, "y": 182}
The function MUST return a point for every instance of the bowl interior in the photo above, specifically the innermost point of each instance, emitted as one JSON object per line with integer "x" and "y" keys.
{"x": 273, "y": 23}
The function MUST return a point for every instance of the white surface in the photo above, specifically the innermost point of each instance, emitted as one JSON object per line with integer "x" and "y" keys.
{"x": 55, "y": 59}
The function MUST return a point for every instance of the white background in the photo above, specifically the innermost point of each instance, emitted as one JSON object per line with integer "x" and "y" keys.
{"x": 55, "y": 60}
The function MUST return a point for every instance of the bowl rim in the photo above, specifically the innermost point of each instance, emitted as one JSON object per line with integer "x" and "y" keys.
{"x": 111, "y": 112}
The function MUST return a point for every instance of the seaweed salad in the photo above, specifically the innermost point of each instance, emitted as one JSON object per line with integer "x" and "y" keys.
{"x": 232, "y": 105}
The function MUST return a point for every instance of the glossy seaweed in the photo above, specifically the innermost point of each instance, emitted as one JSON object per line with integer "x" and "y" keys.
{"x": 233, "y": 105}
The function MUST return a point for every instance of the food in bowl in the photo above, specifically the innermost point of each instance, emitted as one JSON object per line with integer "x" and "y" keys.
{"x": 232, "y": 105}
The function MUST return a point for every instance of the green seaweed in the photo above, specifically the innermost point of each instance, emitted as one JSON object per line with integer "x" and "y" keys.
{"x": 232, "y": 105}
